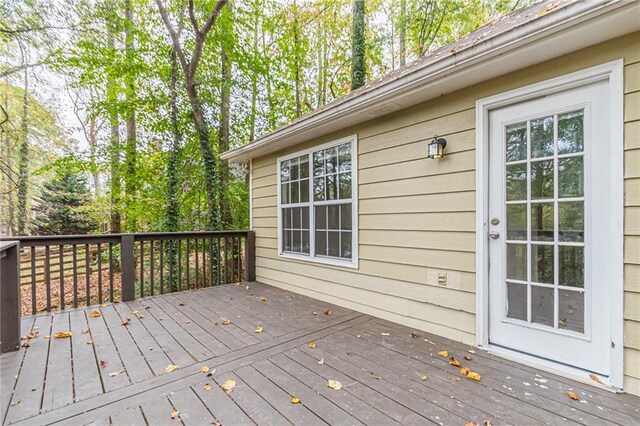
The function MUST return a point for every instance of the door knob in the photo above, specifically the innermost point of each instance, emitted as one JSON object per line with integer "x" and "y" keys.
{"x": 494, "y": 235}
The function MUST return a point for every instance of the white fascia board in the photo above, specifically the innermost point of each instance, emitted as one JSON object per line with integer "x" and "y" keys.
{"x": 572, "y": 28}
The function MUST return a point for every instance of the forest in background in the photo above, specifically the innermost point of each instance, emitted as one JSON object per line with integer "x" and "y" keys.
{"x": 119, "y": 109}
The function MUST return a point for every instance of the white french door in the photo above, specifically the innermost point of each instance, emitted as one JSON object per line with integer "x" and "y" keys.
{"x": 549, "y": 183}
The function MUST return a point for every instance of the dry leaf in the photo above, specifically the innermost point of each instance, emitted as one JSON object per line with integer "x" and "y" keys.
{"x": 573, "y": 396}
{"x": 180, "y": 303}
{"x": 334, "y": 384}
{"x": 48, "y": 336}
{"x": 26, "y": 344}
{"x": 228, "y": 386}
{"x": 312, "y": 345}
{"x": 424, "y": 378}
{"x": 595, "y": 378}
{"x": 453, "y": 361}
{"x": 295, "y": 400}
{"x": 258, "y": 329}
{"x": 384, "y": 334}
{"x": 205, "y": 369}
{"x": 90, "y": 342}
{"x": 103, "y": 364}
{"x": 84, "y": 331}
{"x": 225, "y": 321}
{"x": 487, "y": 423}
{"x": 328, "y": 312}
{"x": 174, "y": 414}
{"x": 474, "y": 376}
{"x": 415, "y": 335}
{"x": 471, "y": 351}
{"x": 171, "y": 368}
{"x": 455, "y": 379}
{"x": 96, "y": 314}
{"x": 464, "y": 371}
{"x": 63, "y": 334}
{"x": 349, "y": 353}
{"x": 14, "y": 403}
{"x": 104, "y": 305}
{"x": 443, "y": 354}
{"x": 468, "y": 357}
{"x": 140, "y": 316}
{"x": 134, "y": 312}
{"x": 321, "y": 362}
{"x": 30, "y": 336}
{"x": 263, "y": 298}
{"x": 207, "y": 387}
{"x": 126, "y": 321}
{"x": 115, "y": 373}
{"x": 471, "y": 424}
{"x": 250, "y": 293}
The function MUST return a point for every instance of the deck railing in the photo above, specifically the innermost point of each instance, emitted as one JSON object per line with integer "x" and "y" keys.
{"x": 60, "y": 272}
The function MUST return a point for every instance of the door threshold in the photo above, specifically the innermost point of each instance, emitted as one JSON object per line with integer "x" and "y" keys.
{"x": 552, "y": 367}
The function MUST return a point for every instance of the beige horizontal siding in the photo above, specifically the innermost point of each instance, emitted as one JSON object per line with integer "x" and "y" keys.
{"x": 417, "y": 216}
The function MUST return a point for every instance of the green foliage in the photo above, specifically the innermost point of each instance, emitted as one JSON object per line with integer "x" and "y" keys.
{"x": 62, "y": 207}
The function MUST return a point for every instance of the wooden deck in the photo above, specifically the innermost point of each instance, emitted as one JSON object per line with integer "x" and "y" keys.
{"x": 388, "y": 375}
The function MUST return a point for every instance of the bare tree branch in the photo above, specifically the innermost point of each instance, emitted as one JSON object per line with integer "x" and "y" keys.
{"x": 22, "y": 67}
{"x": 174, "y": 37}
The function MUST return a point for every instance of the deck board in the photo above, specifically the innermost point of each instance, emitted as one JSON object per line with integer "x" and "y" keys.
{"x": 380, "y": 365}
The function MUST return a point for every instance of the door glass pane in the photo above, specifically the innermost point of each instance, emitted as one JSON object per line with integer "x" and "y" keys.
{"x": 571, "y": 266}
{"x": 571, "y": 221}
{"x": 571, "y": 132}
{"x": 571, "y": 310}
{"x": 542, "y": 179}
{"x": 517, "y": 182}
{"x": 517, "y": 141}
{"x": 517, "y": 301}
{"x": 542, "y": 263}
{"x": 542, "y": 137}
{"x": 542, "y": 305}
{"x": 570, "y": 177}
{"x": 542, "y": 221}
{"x": 517, "y": 262}
{"x": 516, "y": 221}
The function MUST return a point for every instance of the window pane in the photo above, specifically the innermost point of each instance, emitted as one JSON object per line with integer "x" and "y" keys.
{"x": 318, "y": 163}
{"x": 344, "y": 157}
{"x": 542, "y": 137}
{"x": 295, "y": 194}
{"x": 331, "y": 160}
{"x": 321, "y": 243}
{"x": 345, "y": 216}
{"x": 542, "y": 179}
{"x": 305, "y": 242}
{"x": 294, "y": 169}
{"x": 517, "y": 182}
{"x": 297, "y": 241}
{"x": 571, "y": 266}
{"x": 344, "y": 180}
{"x": 542, "y": 305}
{"x": 284, "y": 193}
{"x": 542, "y": 221}
{"x": 331, "y": 185}
{"x": 542, "y": 263}
{"x": 286, "y": 240}
{"x": 304, "y": 190}
{"x": 516, "y": 221}
{"x": 570, "y": 177}
{"x": 333, "y": 214}
{"x": 284, "y": 171}
{"x": 517, "y": 141}
{"x": 333, "y": 249}
{"x": 571, "y": 221}
{"x": 297, "y": 213}
{"x": 286, "y": 218}
{"x": 517, "y": 262}
{"x": 318, "y": 189}
{"x": 571, "y": 310}
{"x": 517, "y": 301}
{"x": 304, "y": 167}
{"x": 305, "y": 217}
{"x": 571, "y": 132}
{"x": 321, "y": 217}
{"x": 345, "y": 245}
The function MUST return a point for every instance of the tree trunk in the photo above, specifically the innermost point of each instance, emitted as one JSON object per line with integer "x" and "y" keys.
{"x": 403, "y": 32}
{"x": 254, "y": 81}
{"x": 296, "y": 58}
{"x": 358, "y": 70}
{"x": 112, "y": 98}
{"x": 130, "y": 151}
{"x": 173, "y": 182}
{"x": 8, "y": 192}
{"x": 93, "y": 145}
{"x": 23, "y": 162}
{"x": 223, "y": 132}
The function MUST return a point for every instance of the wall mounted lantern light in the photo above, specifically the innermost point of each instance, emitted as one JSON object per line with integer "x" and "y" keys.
{"x": 436, "y": 147}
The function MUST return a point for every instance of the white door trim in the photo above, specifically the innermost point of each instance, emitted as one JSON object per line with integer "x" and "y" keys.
{"x": 613, "y": 72}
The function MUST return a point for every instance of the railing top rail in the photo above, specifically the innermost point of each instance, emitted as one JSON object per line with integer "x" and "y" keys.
{"x": 113, "y": 238}
{"x": 7, "y": 244}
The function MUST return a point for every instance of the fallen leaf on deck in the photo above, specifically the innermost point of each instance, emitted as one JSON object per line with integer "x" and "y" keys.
{"x": 90, "y": 342}
{"x": 471, "y": 351}
{"x": 187, "y": 322}
{"x": 48, "y": 336}
{"x": 126, "y": 321}
{"x": 474, "y": 376}
{"x": 103, "y": 364}
{"x": 30, "y": 336}
{"x": 415, "y": 335}
{"x": 207, "y": 387}
{"x": 258, "y": 329}
{"x": 171, "y": 368}
{"x": 14, "y": 403}
{"x": 321, "y": 362}
{"x": 328, "y": 312}
{"x": 217, "y": 423}
{"x": 147, "y": 307}
{"x": 455, "y": 379}
{"x": 180, "y": 303}
{"x": 250, "y": 293}
{"x": 468, "y": 357}
{"x": 63, "y": 334}
{"x": 96, "y": 314}
{"x": 228, "y": 386}
{"x": 384, "y": 334}
{"x": 174, "y": 414}
{"x": 487, "y": 423}
{"x": 443, "y": 354}
{"x": 134, "y": 312}
{"x": 115, "y": 373}
{"x": 84, "y": 331}
{"x": 573, "y": 396}
{"x": 349, "y": 353}
{"x": 334, "y": 384}
{"x": 295, "y": 400}
{"x": 312, "y": 345}
{"x": 140, "y": 316}
{"x": 205, "y": 369}
{"x": 464, "y": 371}
{"x": 424, "y": 378}
{"x": 453, "y": 361}
{"x": 26, "y": 344}
{"x": 225, "y": 321}
{"x": 471, "y": 424}
{"x": 595, "y": 378}
{"x": 263, "y": 298}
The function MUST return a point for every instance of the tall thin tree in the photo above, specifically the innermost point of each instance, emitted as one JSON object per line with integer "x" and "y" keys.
{"x": 358, "y": 67}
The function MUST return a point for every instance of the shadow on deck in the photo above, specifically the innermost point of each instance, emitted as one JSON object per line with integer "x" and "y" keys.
{"x": 110, "y": 373}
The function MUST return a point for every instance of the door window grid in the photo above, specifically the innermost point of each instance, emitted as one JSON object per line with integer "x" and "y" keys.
{"x": 537, "y": 308}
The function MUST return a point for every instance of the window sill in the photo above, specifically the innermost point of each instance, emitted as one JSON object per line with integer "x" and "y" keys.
{"x": 352, "y": 264}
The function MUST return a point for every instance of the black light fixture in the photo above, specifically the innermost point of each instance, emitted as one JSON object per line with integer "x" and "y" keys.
{"x": 436, "y": 147}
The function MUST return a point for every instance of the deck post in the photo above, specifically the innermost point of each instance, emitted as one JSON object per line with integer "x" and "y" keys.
{"x": 250, "y": 256}
{"x": 9, "y": 296}
{"x": 128, "y": 268}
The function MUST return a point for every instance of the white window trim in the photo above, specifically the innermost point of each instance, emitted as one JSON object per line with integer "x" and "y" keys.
{"x": 613, "y": 72}
{"x": 353, "y": 263}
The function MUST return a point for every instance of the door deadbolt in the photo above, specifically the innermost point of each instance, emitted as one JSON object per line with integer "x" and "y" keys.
{"x": 495, "y": 221}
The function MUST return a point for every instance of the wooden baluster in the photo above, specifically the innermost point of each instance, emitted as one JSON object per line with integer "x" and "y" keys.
{"x": 87, "y": 275}
{"x": 218, "y": 255}
{"x": 171, "y": 266}
{"x": 151, "y": 244}
{"x": 195, "y": 254}
{"x": 111, "y": 272}
{"x": 99, "y": 258}
{"x": 47, "y": 273}
{"x": 187, "y": 259}
{"x": 179, "y": 265}
{"x": 141, "y": 268}
{"x": 34, "y": 307}
{"x": 161, "y": 267}
{"x": 75, "y": 276}
{"x": 61, "y": 275}
{"x": 128, "y": 266}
